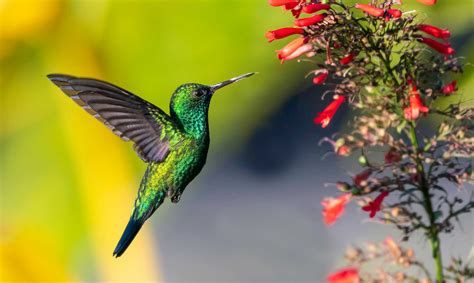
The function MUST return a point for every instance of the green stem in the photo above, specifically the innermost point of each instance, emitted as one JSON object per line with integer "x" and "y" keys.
{"x": 433, "y": 231}
{"x": 424, "y": 186}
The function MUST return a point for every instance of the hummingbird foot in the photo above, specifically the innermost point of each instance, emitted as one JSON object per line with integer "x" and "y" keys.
{"x": 176, "y": 198}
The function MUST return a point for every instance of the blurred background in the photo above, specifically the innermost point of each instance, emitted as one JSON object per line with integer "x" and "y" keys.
{"x": 67, "y": 184}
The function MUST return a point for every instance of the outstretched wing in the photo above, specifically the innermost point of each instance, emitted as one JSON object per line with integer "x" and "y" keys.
{"x": 126, "y": 114}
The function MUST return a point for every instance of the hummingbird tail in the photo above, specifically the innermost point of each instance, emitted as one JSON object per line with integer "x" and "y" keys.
{"x": 128, "y": 235}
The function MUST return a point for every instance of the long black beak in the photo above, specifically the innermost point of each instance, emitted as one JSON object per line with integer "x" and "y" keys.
{"x": 228, "y": 82}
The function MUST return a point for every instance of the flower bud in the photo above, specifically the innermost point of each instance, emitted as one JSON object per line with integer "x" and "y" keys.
{"x": 371, "y": 10}
{"x": 427, "y": 2}
{"x": 363, "y": 160}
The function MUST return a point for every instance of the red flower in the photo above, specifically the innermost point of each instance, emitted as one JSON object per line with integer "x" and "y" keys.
{"x": 392, "y": 156}
{"x": 416, "y": 178}
{"x": 325, "y": 117}
{"x": 334, "y": 207}
{"x": 310, "y": 21}
{"x": 395, "y": 13}
{"x": 313, "y": 8}
{"x": 291, "y": 6}
{"x": 427, "y": 2}
{"x": 347, "y": 59}
{"x": 416, "y": 106}
{"x": 444, "y": 48}
{"x": 282, "y": 33}
{"x": 345, "y": 275}
{"x": 450, "y": 88}
{"x": 374, "y": 206}
{"x": 276, "y": 3}
{"x": 362, "y": 177}
{"x": 290, "y": 47}
{"x": 343, "y": 151}
{"x": 371, "y": 10}
{"x": 298, "y": 52}
{"x": 321, "y": 78}
{"x": 435, "y": 31}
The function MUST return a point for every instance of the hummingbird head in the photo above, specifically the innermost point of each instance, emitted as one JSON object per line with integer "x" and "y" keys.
{"x": 190, "y": 104}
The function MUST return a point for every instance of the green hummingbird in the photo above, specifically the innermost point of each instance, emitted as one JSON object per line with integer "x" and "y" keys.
{"x": 175, "y": 146}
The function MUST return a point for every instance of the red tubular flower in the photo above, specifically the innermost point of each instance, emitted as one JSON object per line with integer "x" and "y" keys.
{"x": 347, "y": 59}
{"x": 435, "y": 31}
{"x": 334, "y": 207}
{"x": 450, "y": 88}
{"x": 325, "y": 117}
{"x": 374, "y": 206}
{"x": 345, "y": 275}
{"x": 290, "y": 47}
{"x": 310, "y": 21}
{"x": 321, "y": 78}
{"x": 298, "y": 52}
{"x": 444, "y": 48}
{"x": 276, "y": 3}
{"x": 427, "y": 2}
{"x": 395, "y": 13}
{"x": 416, "y": 106}
{"x": 316, "y": 7}
{"x": 290, "y": 6}
{"x": 362, "y": 177}
{"x": 371, "y": 10}
{"x": 282, "y": 33}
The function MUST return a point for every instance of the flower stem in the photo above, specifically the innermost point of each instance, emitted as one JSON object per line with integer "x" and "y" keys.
{"x": 433, "y": 230}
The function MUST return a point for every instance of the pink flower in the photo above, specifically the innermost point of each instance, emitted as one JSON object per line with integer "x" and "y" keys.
{"x": 434, "y": 31}
{"x": 310, "y": 21}
{"x": 443, "y": 48}
{"x": 334, "y": 207}
{"x": 392, "y": 246}
{"x": 371, "y": 10}
{"x": 374, "y": 206}
{"x": 282, "y": 33}
{"x": 345, "y": 275}
{"x": 321, "y": 78}
{"x": 449, "y": 88}
{"x": 298, "y": 52}
{"x": 316, "y": 7}
{"x": 416, "y": 106}
{"x": 291, "y": 47}
{"x": 325, "y": 117}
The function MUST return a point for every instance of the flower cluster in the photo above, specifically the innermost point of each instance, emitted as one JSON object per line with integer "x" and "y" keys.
{"x": 392, "y": 67}
{"x": 391, "y": 263}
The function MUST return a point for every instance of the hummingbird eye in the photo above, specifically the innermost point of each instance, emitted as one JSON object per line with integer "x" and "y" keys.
{"x": 199, "y": 92}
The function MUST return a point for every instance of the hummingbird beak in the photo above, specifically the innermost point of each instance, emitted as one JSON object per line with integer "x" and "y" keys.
{"x": 228, "y": 82}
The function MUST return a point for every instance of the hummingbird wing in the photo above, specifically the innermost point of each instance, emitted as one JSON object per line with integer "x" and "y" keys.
{"x": 127, "y": 115}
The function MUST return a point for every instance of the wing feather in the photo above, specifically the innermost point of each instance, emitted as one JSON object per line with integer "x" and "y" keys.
{"x": 127, "y": 115}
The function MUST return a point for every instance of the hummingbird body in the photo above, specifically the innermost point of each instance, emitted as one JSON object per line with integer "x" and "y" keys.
{"x": 175, "y": 146}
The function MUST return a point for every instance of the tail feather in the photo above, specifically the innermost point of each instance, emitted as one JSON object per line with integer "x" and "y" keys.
{"x": 128, "y": 235}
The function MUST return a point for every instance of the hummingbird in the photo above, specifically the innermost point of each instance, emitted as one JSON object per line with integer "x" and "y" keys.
{"x": 174, "y": 146}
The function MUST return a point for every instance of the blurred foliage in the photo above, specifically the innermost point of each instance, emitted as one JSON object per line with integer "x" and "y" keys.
{"x": 66, "y": 182}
